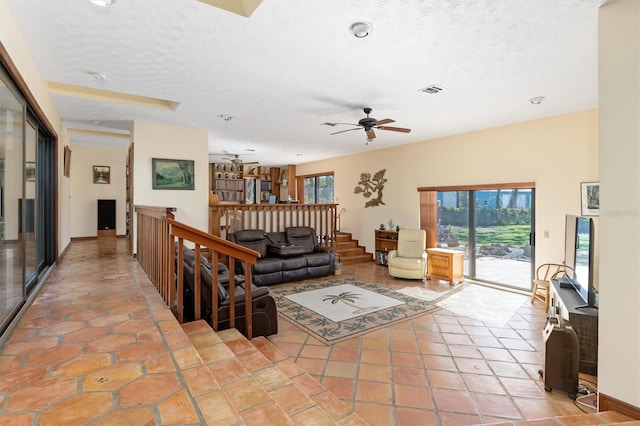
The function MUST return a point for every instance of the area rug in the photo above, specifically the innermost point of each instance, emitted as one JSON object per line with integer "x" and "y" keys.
{"x": 340, "y": 309}
{"x": 491, "y": 306}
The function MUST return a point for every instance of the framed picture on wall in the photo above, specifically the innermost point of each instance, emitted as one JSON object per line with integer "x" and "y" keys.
{"x": 590, "y": 196}
{"x": 30, "y": 171}
{"x": 67, "y": 161}
{"x": 101, "y": 174}
{"x": 172, "y": 174}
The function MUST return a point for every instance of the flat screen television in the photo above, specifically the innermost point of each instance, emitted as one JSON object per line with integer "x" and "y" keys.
{"x": 579, "y": 255}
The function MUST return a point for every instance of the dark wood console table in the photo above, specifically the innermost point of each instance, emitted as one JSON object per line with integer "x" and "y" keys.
{"x": 584, "y": 321}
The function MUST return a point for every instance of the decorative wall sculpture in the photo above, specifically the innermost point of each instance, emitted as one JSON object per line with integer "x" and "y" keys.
{"x": 368, "y": 185}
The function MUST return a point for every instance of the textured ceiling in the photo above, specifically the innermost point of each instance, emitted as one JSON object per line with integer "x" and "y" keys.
{"x": 294, "y": 65}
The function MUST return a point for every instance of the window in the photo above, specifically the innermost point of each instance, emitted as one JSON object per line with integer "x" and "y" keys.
{"x": 318, "y": 189}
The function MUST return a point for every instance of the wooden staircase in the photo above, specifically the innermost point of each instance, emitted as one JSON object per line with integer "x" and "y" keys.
{"x": 251, "y": 382}
{"x": 349, "y": 250}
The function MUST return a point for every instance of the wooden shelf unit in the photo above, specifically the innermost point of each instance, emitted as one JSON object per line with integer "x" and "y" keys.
{"x": 227, "y": 182}
{"x": 385, "y": 241}
{"x": 444, "y": 264}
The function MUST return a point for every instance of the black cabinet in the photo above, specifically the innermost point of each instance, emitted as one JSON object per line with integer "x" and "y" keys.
{"x": 106, "y": 218}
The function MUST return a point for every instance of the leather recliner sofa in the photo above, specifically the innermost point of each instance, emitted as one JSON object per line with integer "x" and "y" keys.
{"x": 287, "y": 256}
{"x": 263, "y": 307}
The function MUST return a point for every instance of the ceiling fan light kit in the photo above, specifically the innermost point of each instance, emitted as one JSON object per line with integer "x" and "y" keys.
{"x": 361, "y": 29}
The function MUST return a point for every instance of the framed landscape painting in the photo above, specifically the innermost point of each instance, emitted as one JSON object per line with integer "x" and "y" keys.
{"x": 101, "y": 174}
{"x": 172, "y": 174}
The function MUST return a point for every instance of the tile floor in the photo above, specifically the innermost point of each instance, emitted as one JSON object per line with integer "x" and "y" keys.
{"x": 436, "y": 369}
{"x": 99, "y": 347}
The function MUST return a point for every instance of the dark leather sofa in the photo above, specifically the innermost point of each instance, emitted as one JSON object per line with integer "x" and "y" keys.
{"x": 287, "y": 256}
{"x": 263, "y": 307}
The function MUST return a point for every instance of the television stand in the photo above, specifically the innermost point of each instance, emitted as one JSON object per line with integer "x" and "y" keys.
{"x": 583, "y": 319}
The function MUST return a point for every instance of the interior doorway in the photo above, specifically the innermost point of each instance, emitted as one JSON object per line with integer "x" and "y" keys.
{"x": 492, "y": 224}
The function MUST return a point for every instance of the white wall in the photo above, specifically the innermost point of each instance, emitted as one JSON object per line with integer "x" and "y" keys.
{"x": 619, "y": 97}
{"x": 556, "y": 153}
{"x": 85, "y": 193}
{"x": 154, "y": 140}
{"x": 13, "y": 42}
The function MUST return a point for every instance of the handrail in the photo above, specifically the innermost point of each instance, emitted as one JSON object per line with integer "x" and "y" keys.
{"x": 154, "y": 248}
{"x": 157, "y": 235}
{"x": 228, "y": 218}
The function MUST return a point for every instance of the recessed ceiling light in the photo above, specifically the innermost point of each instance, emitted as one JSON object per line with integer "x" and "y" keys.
{"x": 225, "y": 117}
{"x": 298, "y": 155}
{"x": 537, "y": 100}
{"x": 97, "y": 122}
{"x": 103, "y": 3}
{"x": 98, "y": 75}
{"x": 360, "y": 29}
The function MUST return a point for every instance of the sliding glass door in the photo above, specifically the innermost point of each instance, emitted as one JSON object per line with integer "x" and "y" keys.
{"x": 493, "y": 226}
{"x": 12, "y": 118}
{"x": 27, "y": 198}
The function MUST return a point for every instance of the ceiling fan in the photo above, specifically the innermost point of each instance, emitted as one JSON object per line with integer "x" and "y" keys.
{"x": 369, "y": 124}
{"x": 236, "y": 160}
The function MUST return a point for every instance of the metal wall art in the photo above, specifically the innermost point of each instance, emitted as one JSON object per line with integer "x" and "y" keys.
{"x": 368, "y": 186}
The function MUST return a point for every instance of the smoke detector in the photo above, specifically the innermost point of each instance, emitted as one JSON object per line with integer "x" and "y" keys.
{"x": 360, "y": 29}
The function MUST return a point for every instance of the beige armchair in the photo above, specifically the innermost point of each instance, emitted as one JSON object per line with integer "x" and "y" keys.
{"x": 410, "y": 259}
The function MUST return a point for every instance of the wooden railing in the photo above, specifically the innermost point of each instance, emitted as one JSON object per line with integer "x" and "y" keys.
{"x": 156, "y": 245}
{"x": 227, "y": 218}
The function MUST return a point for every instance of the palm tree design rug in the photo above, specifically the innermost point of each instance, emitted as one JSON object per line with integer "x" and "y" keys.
{"x": 336, "y": 310}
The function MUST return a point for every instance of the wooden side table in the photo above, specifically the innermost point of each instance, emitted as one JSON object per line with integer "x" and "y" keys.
{"x": 447, "y": 265}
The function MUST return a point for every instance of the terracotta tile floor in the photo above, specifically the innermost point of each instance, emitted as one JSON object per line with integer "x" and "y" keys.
{"x": 436, "y": 369}
{"x": 99, "y": 347}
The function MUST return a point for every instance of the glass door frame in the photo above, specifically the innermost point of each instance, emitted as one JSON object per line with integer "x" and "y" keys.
{"x": 429, "y": 219}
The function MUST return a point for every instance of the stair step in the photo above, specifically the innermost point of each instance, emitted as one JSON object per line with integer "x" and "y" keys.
{"x": 351, "y": 251}
{"x": 343, "y": 236}
{"x": 367, "y": 257}
{"x": 602, "y": 418}
{"x": 260, "y": 384}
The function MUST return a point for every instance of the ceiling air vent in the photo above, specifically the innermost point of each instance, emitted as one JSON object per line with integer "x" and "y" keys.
{"x": 432, "y": 89}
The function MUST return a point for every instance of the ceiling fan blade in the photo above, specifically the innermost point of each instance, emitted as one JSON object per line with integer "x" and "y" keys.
{"x": 346, "y": 124}
{"x": 371, "y": 134}
{"x": 385, "y": 121}
{"x": 253, "y": 162}
{"x": 394, "y": 129}
{"x": 348, "y": 130}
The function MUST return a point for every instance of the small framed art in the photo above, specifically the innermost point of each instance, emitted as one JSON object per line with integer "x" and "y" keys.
{"x": 101, "y": 174}
{"x": 590, "y": 198}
